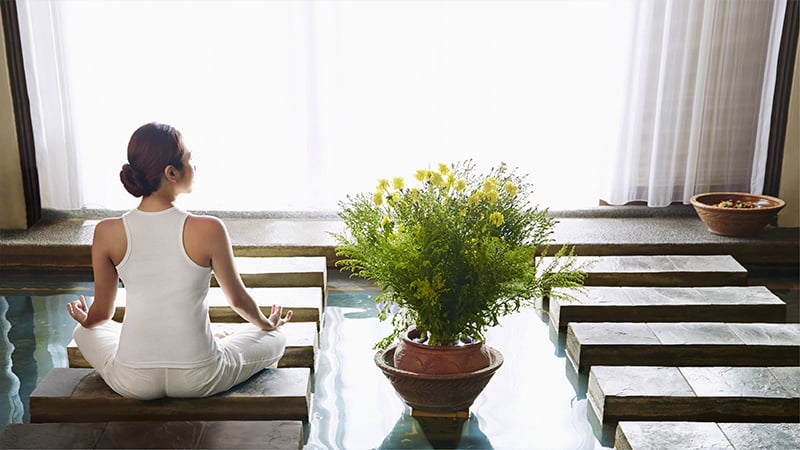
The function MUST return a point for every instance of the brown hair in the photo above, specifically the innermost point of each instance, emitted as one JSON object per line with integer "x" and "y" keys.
{"x": 152, "y": 148}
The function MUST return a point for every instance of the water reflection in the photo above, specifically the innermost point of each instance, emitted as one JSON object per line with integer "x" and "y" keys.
{"x": 426, "y": 432}
{"x": 34, "y": 333}
{"x": 11, "y": 407}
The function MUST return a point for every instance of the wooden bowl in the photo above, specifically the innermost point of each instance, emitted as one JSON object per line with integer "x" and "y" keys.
{"x": 736, "y": 221}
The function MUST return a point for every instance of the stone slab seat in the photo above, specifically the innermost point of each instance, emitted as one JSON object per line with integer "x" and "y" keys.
{"x": 305, "y": 303}
{"x": 706, "y": 435}
{"x": 80, "y": 395}
{"x": 244, "y": 434}
{"x": 684, "y": 344}
{"x": 301, "y": 346}
{"x": 661, "y": 270}
{"x": 276, "y": 271}
{"x": 696, "y": 394}
{"x": 667, "y": 304}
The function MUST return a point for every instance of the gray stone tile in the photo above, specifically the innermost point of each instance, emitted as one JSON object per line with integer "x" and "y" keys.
{"x": 789, "y": 379}
{"x": 600, "y": 295}
{"x": 767, "y": 333}
{"x": 747, "y": 436}
{"x": 709, "y": 263}
{"x": 694, "y": 333}
{"x": 51, "y": 435}
{"x": 666, "y": 295}
{"x": 670, "y": 436}
{"x": 612, "y": 333}
{"x": 638, "y": 381}
{"x": 738, "y": 294}
{"x": 734, "y": 382}
{"x": 644, "y": 264}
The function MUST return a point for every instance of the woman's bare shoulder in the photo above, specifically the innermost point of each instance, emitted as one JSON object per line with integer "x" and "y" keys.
{"x": 109, "y": 227}
{"x": 205, "y": 225}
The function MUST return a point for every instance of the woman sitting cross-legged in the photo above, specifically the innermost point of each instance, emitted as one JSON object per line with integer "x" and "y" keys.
{"x": 164, "y": 256}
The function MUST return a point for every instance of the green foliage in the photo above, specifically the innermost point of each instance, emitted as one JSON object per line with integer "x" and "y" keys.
{"x": 453, "y": 254}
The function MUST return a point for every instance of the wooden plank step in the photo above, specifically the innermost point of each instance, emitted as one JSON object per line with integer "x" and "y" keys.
{"x": 80, "y": 395}
{"x": 660, "y": 270}
{"x": 302, "y": 344}
{"x": 244, "y": 434}
{"x": 706, "y": 435}
{"x": 701, "y": 394}
{"x": 288, "y": 271}
{"x": 305, "y": 302}
{"x": 684, "y": 344}
{"x": 668, "y": 304}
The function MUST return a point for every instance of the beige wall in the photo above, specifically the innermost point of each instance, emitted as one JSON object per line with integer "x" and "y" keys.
{"x": 12, "y": 197}
{"x": 790, "y": 175}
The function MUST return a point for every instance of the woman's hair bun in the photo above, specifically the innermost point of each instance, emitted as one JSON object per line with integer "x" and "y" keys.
{"x": 133, "y": 180}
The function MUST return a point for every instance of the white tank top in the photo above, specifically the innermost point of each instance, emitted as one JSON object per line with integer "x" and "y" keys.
{"x": 166, "y": 321}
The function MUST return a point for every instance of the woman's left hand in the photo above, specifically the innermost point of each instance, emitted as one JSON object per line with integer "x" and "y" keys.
{"x": 78, "y": 310}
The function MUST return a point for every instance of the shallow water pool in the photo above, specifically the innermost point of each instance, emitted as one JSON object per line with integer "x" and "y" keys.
{"x": 530, "y": 403}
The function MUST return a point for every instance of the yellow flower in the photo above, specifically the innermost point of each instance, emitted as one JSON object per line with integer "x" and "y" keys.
{"x": 423, "y": 175}
{"x": 444, "y": 169}
{"x": 384, "y": 221}
{"x": 377, "y": 198}
{"x": 496, "y": 218}
{"x": 511, "y": 188}
{"x": 437, "y": 179}
{"x": 398, "y": 183}
{"x": 475, "y": 198}
{"x": 460, "y": 185}
{"x": 491, "y": 196}
{"x": 415, "y": 194}
{"x": 383, "y": 184}
{"x": 451, "y": 178}
{"x": 396, "y": 197}
{"x": 490, "y": 184}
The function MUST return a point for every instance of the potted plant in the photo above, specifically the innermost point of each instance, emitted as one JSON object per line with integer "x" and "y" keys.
{"x": 452, "y": 254}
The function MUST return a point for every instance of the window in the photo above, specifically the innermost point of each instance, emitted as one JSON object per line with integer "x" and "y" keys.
{"x": 291, "y": 105}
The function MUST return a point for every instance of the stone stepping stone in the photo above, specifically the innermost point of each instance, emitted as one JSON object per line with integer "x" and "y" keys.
{"x": 668, "y": 304}
{"x": 301, "y": 346}
{"x": 245, "y": 434}
{"x": 701, "y": 394}
{"x": 290, "y": 271}
{"x": 684, "y": 344}
{"x": 80, "y": 395}
{"x": 658, "y": 270}
{"x": 705, "y": 435}
{"x": 305, "y": 303}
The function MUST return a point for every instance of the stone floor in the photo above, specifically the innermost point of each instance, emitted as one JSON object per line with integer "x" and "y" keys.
{"x": 615, "y": 393}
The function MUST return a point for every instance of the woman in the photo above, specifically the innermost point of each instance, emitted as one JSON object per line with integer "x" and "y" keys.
{"x": 164, "y": 257}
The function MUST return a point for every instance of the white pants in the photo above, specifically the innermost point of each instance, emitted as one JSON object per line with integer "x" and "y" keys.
{"x": 242, "y": 354}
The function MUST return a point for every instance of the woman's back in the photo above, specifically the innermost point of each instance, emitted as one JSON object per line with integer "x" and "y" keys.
{"x": 166, "y": 291}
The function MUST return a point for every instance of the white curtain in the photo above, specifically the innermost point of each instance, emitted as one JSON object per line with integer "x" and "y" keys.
{"x": 696, "y": 116}
{"x": 49, "y": 92}
{"x": 291, "y": 105}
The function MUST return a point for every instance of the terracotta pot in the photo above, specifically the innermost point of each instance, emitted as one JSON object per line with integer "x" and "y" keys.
{"x": 736, "y": 221}
{"x": 413, "y": 356}
{"x": 438, "y": 392}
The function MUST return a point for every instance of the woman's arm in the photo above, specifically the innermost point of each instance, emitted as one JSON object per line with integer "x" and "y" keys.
{"x": 108, "y": 244}
{"x": 207, "y": 237}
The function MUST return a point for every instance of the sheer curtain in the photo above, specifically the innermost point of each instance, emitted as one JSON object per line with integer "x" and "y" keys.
{"x": 291, "y": 105}
{"x": 697, "y": 111}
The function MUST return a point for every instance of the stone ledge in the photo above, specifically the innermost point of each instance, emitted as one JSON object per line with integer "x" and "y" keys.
{"x": 63, "y": 240}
